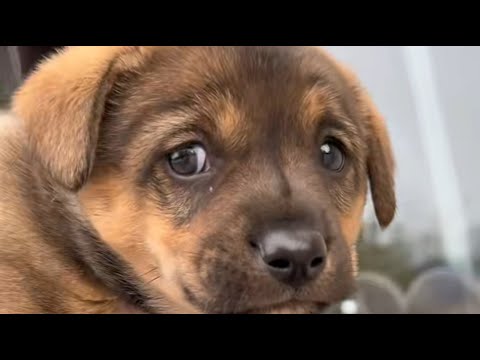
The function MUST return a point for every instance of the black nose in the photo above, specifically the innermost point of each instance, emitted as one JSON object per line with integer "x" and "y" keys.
{"x": 292, "y": 256}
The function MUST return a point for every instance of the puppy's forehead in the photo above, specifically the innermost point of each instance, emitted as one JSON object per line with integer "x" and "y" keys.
{"x": 237, "y": 69}
{"x": 237, "y": 90}
{"x": 254, "y": 61}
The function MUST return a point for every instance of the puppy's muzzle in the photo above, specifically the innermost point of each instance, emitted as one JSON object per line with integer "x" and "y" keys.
{"x": 294, "y": 257}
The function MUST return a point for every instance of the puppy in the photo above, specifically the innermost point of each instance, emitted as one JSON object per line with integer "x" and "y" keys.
{"x": 187, "y": 180}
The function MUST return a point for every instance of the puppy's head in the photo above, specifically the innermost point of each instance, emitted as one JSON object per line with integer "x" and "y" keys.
{"x": 232, "y": 179}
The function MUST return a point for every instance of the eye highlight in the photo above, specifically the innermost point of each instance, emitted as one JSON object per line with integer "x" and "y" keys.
{"x": 189, "y": 161}
{"x": 333, "y": 158}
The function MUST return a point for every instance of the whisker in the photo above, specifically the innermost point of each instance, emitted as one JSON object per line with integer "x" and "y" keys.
{"x": 149, "y": 271}
{"x": 155, "y": 278}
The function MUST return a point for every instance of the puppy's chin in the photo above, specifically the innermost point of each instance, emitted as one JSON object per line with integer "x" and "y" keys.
{"x": 292, "y": 308}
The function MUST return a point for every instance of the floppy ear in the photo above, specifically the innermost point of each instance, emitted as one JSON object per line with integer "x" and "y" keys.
{"x": 381, "y": 164}
{"x": 62, "y": 104}
{"x": 380, "y": 158}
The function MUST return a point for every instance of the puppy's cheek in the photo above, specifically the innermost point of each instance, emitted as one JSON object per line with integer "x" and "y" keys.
{"x": 173, "y": 251}
{"x": 351, "y": 222}
{"x": 118, "y": 217}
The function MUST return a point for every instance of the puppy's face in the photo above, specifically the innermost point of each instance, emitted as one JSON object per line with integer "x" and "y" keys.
{"x": 231, "y": 179}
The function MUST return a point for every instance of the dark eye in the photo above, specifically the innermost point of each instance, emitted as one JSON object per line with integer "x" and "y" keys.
{"x": 189, "y": 161}
{"x": 333, "y": 157}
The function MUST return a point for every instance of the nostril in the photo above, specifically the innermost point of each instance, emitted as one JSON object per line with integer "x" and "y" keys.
{"x": 316, "y": 262}
{"x": 279, "y": 264}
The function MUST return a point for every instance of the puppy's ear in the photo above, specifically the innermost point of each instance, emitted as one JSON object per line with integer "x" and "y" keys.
{"x": 380, "y": 160}
{"x": 380, "y": 163}
{"x": 62, "y": 104}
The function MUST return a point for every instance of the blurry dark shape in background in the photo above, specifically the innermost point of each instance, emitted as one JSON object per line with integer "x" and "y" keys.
{"x": 403, "y": 257}
{"x": 16, "y": 62}
{"x": 380, "y": 294}
{"x": 30, "y": 55}
{"x": 407, "y": 274}
{"x": 10, "y": 74}
{"x": 435, "y": 291}
{"x": 442, "y": 291}
{"x": 376, "y": 294}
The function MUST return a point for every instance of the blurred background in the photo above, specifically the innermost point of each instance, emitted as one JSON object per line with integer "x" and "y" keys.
{"x": 428, "y": 261}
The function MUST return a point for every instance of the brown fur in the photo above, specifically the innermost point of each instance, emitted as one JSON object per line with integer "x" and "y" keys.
{"x": 92, "y": 222}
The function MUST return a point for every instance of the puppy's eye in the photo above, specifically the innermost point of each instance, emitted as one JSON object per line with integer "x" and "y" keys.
{"x": 333, "y": 157}
{"x": 189, "y": 161}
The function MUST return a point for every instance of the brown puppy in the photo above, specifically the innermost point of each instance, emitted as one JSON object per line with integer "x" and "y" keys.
{"x": 187, "y": 179}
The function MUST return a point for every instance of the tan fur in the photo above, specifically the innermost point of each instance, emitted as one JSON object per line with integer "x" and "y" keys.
{"x": 351, "y": 223}
{"x": 231, "y": 117}
{"x": 58, "y": 89}
{"x": 313, "y": 107}
{"x": 169, "y": 255}
{"x": 117, "y": 215}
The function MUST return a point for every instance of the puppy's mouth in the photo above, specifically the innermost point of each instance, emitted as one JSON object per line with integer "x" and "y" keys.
{"x": 293, "y": 304}
{"x": 288, "y": 307}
